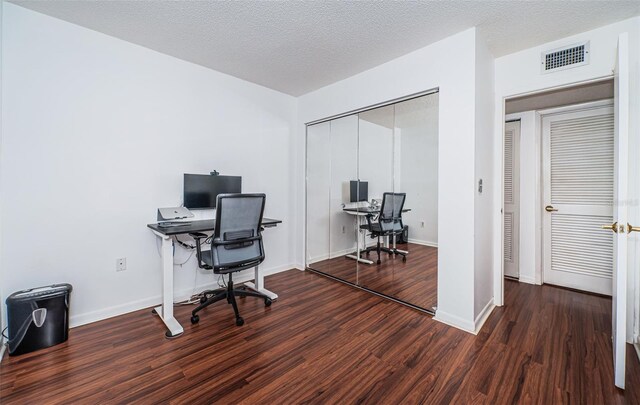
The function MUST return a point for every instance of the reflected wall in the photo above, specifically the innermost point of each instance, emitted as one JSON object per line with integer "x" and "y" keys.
{"x": 352, "y": 162}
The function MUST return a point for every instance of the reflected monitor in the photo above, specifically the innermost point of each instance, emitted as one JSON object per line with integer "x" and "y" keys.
{"x": 359, "y": 191}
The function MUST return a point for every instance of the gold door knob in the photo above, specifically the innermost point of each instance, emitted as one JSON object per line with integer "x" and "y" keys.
{"x": 613, "y": 227}
{"x": 632, "y": 228}
{"x": 549, "y": 208}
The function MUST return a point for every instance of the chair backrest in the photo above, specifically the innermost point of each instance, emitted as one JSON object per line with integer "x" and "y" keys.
{"x": 390, "y": 218}
{"x": 237, "y": 238}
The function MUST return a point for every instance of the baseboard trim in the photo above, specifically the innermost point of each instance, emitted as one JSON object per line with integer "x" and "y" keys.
{"x": 637, "y": 347}
{"x": 455, "y": 321}
{"x": 527, "y": 279}
{"x": 423, "y": 242}
{"x": 332, "y": 255}
{"x": 483, "y": 316}
{"x": 179, "y": 295}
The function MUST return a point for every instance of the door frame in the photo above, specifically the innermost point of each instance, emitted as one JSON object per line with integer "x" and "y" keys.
{"x": 573, "y": 108}
{"x": 498, "y": 224}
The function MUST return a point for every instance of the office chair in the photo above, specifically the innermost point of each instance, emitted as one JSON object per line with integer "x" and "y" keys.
{"x": 389, "y": 223}
{"x": 236, "y": 245}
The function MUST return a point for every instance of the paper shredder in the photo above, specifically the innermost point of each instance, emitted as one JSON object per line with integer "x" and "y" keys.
{"x": 38, "y": 318}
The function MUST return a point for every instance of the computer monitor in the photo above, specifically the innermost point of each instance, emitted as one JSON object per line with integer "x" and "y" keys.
{"x": 359, "y": 191}
{"x": 201, "y": 190}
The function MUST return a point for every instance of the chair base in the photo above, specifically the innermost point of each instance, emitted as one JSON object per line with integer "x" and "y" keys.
{"x": 391, "y": 251}
{"x": 212, "y": 296}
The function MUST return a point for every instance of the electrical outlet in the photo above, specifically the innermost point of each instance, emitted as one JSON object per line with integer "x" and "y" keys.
{"x": 422, "y": 224}
{"x": 121, "y": 264}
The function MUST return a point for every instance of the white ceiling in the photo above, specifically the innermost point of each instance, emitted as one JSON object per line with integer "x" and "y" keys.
{"x": 297, "y": 47}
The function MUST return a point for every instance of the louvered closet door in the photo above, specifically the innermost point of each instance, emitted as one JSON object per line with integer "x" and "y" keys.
{"x": 578, "y": 199}
{"x": 511, "y": 198}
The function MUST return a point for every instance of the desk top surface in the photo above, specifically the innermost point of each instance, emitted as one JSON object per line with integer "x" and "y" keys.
{"x": 368, "y": 210}
{"x": 201, "y": 226}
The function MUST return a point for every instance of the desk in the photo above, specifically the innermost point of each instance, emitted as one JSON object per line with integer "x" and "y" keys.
{"x": 363, "y": 212}
{"x": 165, "y": 311}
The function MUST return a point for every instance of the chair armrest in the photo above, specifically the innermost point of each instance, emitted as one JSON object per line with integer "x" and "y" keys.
{"x": 198, "y": 236}
{"x": 369, "y": 218}
{"x": 220, "y": 242}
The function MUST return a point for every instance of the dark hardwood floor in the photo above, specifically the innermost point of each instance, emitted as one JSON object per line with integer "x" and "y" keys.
{"x": 414, "y": 281}
{"x": 327, "y": 343}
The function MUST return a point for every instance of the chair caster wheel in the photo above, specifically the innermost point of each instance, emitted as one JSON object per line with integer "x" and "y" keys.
{"x": 153, "y": 311}
{"x": 203, "y": 299}
{"x": 379, "y": 261}
{"x": 267, "y": 302}
{"x": 195, "y": 319}
{"x": 404, "y": 259}
{"x": 239, "y": 321}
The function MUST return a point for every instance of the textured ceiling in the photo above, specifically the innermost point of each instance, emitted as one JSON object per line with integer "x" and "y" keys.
{"x": 297, "y": 47}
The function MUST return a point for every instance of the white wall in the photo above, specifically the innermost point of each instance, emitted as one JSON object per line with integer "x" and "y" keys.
{"x": 375, "y": 156}
{"x": 434, "y": 66}
{"x": 483, "y": 249}
{"x": 3, "y": 316}
{"x": 634, "y": 213}
{"x": 417, "y": 128}
{"x": 519, "y": 73}
{"x": 96, "y": 135}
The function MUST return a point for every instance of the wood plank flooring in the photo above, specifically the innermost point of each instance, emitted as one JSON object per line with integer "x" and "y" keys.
{"x": 324, "y": 342}
{"x": 414, "y": 281}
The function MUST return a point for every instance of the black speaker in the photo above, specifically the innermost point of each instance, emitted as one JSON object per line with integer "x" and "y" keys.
{"x": 404, "y": 236}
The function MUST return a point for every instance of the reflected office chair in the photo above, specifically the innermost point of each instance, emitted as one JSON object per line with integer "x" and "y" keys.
{"x": 389, "y": 224}
{"x": 236, "y": 245}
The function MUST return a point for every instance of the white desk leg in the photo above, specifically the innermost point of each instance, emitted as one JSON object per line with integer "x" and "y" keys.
{"x": 258, "y": 284}
{"x": 165, "y": 311}
{"x": 359, "y": 234}
{"x": 394, "y": 246}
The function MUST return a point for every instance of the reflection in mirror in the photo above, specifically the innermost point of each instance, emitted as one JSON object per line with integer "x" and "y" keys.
{"x": 398, "y": 153}
{"x": 372, "y": 215}
{"x": 340, "y": 168}
{"x": 416, "y": 162}
{"x": 318, "y": 186}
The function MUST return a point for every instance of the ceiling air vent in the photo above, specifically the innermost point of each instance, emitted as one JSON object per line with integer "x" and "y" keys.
{"x": 565, "y": 58}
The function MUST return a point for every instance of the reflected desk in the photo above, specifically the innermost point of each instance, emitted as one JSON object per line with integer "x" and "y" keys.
{"x": 362, "y": 213}
{"x": 165, "y": 311}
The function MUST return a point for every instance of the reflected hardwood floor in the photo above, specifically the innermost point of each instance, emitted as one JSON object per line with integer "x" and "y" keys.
{"x": 323, "y": 342}
{"x": 414, "y": 281}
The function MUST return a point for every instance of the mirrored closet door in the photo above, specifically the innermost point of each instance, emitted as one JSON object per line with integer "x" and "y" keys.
{"x": 332, "y": 149}
{"x": 372, "y": 200}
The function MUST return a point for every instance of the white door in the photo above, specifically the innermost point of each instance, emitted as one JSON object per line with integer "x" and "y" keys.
{"x": 511, "y": 198}
{"x": 619, "y": 312}
{"x": 578, "y": 161}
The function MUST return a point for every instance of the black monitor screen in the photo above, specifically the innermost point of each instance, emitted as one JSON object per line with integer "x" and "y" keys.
{"x": 359, "y": 191}
{"x": 201, "y": 190}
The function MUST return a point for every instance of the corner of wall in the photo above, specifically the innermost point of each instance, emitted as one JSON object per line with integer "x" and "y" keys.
{"x": 483, "y": 315}
{"x": 455, "y": 321}
{"x": 484, "y": 166}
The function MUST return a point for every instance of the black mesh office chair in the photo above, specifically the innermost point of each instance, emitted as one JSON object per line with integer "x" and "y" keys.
{"x": 236, "y": 246}
{"x": 389, "y": 223}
